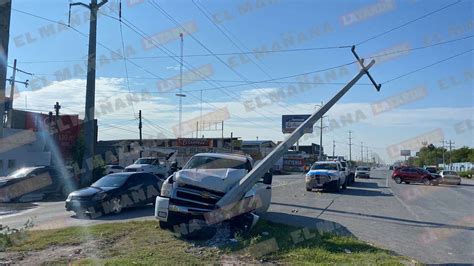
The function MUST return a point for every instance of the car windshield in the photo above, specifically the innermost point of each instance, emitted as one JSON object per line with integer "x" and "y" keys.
{"x": 209, "y": 162}
{"x": 431, "y": 170}
{"x": 22, "y": 172}
{"x": 362, "y": 169}
{"x": 324, "y": 166}
{"x": 146, "y": 161}
{"x": 113, "y": 180}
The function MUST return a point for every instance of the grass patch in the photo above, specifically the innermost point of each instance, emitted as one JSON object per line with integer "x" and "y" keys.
{"x": 142, "y": 243}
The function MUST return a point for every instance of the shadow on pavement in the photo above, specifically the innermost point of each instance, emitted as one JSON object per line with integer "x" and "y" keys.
{"x": 308, "y": 222}
{"x": 126, "y": 214}
{"x": 390, "y": 219}
{"x": 360, "y": 191}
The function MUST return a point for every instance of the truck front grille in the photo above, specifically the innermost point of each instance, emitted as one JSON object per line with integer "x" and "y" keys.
{"x": 196, "y": 198}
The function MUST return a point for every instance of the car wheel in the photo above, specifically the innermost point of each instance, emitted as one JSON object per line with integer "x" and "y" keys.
{"x": 398, "y": 180}
{"x": 344, "y": 186}
{"x": 308, "y": 189}
{"x": 116, "y": 205}
{"x": 426, "y": 181}
{"x": 407, "y": 182}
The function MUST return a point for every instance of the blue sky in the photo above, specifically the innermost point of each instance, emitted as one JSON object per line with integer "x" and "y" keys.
{"x": 449, "y": 98}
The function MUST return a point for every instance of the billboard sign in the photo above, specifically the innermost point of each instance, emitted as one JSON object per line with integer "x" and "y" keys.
{"x": 291, "y": 122}
{"x": 405, "y": 152}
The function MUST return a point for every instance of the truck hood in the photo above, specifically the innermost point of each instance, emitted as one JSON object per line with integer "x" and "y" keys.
{"x": 220, "y": 180}
{"x": 322, "y": 172}
{"x": 137, "y": 166}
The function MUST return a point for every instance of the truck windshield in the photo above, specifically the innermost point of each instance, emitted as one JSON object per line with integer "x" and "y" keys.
{"x": 208, "y": 162}
{"x": 362, "y": 169}
{"x": 324, "y": 166}
{"x": 146, "y": 161}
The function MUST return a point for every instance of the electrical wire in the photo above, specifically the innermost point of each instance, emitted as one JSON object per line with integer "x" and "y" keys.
{"x": 408, "y": 23}
{"x": 427, "y": 66}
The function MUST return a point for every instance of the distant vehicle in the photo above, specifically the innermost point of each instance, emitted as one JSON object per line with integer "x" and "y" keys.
{"x": 431, "y": 169}
{"x": 415, "y": 175}
{"x": 151, "y": 165}
{"x": 114, "y": 192}
{"x": 450, "y": 177}
{"x": 36, "y": 183}
{"x": 110, "y": 169}
{"x": 362, "y": 172}
{"x": 326, "y": 175}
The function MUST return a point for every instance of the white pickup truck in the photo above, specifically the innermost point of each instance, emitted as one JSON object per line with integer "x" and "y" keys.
{"x": 151, "y": 165}
{"x": 326, "y": 175}
{"x": 191, "y": 193}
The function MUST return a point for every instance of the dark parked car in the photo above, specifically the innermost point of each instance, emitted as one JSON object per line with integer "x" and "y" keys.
{"x": 415, "y": 175}
{"x": 36, "y": 183}
{"x": 114, "y": 192}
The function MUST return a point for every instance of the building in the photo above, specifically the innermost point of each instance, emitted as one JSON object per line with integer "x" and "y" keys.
{"x": 20, "y": 148}
{"x": 125, "y": 152}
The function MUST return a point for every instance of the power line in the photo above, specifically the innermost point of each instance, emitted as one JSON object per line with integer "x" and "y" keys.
{"x": 409, "y": 22}
{"x": 125, "y": 56}
{"x": 425, "y": 67}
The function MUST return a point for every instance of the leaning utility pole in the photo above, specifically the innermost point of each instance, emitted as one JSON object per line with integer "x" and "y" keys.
{"x": 245, "y": 184}
{"x": 89, "y": 125}
{"x": 5, "y": 13}
{"x": 350, "y": 145}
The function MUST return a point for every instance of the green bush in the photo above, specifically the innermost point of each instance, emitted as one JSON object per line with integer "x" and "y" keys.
{"x": 11, "y": 236}
{"x": 466, "y": 174}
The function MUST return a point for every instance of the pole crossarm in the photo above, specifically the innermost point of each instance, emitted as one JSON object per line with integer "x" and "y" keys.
{"x": 365, "y": 69}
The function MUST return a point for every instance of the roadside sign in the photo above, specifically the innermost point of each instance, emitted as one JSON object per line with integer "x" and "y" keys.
{"x": 405, "y": 152}
{"x": 291, "y": 122}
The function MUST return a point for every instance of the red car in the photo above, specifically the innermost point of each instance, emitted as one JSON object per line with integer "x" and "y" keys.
{"x": 415, "y": 175}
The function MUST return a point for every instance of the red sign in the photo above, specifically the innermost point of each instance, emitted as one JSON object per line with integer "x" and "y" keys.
{"x": 194, "y": 142}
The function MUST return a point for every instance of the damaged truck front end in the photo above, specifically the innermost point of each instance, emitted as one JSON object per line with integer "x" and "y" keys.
{"x": 188, "y": 198}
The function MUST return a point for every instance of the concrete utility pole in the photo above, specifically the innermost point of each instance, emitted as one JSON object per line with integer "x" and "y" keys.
{"x": 367, "y": 154}
{"x": 89, "y": 125}
{"x": 333, "y": 147}
{"x": 444, "y": 162}
{"x": 361, "y": 152}
{"x": 450, "y": 143}
{"x": 245, "y": 184}
{"x": 350, "y": 145}
{"x": 180, "y": 95}
{"x": 56, "y": 109}
{"x": 13, "y": 81}
{"x": 5, "y": 13}
{"x": 321, "y": 127}
{"x": 140, "y": 132}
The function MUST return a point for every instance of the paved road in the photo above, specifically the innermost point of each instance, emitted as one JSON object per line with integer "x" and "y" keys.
{"x": 430, "y": 224}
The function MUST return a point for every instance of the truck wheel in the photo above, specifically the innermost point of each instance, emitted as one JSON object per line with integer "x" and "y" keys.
{"x": 165, "y": 225}
{"x": 337, "y": 187}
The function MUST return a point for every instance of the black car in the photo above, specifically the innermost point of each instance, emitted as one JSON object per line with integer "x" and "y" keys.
{"x": 36, "y": 183}
{"x": 114, "y": 192}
